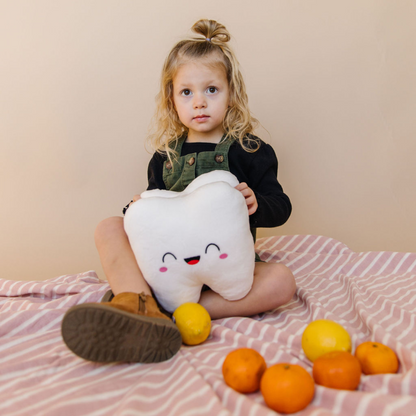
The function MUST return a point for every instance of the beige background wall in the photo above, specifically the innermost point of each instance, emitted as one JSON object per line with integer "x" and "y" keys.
{"x": 333, "y": 82}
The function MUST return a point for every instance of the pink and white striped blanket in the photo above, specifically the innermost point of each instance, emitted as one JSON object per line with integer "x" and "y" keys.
{"x": 372, "y": 294}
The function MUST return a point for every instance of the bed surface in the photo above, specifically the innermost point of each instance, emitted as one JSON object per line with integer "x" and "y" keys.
{"x": 372, "y": 294}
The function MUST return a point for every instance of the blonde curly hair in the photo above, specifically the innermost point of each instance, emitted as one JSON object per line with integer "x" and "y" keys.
{"x": 214, "y": 49}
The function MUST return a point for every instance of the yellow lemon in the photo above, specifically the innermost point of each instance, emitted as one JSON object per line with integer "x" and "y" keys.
{"x": 193, "y": 322}
{"x": 324, "y": 336}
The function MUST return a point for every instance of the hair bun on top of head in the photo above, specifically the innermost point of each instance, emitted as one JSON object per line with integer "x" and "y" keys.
{"x": 211, "y": 30}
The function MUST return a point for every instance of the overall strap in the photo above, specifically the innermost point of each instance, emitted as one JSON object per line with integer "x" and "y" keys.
{"x": 224, "y": 144}
{"x": 181, "y": 170}
{"x": 218, "y": 159}
{"x": 177, "y": 145}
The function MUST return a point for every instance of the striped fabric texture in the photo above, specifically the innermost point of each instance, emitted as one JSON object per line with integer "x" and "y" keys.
{"x": 372, "y": 294}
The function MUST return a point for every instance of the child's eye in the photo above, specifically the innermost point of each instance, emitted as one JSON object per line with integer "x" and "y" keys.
{"x": 186, "y": 93}
{"x": 212, "y": 90}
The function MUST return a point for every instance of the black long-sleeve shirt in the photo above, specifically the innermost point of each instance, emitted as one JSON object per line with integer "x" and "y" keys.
{"x": 258, "y": 170}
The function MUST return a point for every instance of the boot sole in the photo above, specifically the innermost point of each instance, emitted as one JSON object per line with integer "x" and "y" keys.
{"x": 101, "y": 333}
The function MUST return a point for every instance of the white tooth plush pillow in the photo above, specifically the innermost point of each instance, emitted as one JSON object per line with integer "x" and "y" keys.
{"x": 183, "y": 240}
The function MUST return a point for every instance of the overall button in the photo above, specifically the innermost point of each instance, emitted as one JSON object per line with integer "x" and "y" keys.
{"x": 219, "y": 158}
{"x": 168, "y": 165}
{"x": 191, "y": 161}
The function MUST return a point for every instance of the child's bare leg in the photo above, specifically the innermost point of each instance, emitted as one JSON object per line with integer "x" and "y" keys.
{"x": 130, "y": 327}
{"x": 117, "y": 258}
{"x": 273, "y": 286}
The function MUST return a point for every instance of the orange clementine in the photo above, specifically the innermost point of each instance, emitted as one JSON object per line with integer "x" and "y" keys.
{"x": 287, "y": 388}
{"x": 337, "y": 370}
{"x": 376, "y": 358}
{"x": 243, "y": 369}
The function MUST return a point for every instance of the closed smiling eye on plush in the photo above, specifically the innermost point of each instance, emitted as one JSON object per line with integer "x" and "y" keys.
{"x": 183, "y": 240}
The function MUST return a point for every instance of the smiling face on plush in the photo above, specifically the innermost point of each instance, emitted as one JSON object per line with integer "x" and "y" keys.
{"x": 195, "y": 259}
{"x": 183, "y": 240}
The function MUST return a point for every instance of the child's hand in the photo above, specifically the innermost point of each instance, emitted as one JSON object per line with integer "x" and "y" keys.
{"x": 248, "y": 194}
{"x": 135, "y": 198}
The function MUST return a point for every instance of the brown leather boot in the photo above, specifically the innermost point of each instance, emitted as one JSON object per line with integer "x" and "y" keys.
{"x": 128, "y": 328}
{"x": 136, "y": 303}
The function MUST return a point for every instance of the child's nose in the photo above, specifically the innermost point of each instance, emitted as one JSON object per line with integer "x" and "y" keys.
{"x": 199, "y": 101}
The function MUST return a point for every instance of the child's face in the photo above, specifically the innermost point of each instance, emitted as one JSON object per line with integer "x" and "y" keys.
{"x": 201, "y": 97}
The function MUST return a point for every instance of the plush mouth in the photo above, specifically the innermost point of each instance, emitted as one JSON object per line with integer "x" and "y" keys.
{"x": 193, "y": 260}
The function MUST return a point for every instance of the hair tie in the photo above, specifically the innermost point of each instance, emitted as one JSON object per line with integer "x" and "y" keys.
{"x": 208, "y": 39}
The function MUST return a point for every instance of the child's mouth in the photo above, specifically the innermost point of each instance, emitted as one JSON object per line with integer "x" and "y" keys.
{"x": 201, "y": 118}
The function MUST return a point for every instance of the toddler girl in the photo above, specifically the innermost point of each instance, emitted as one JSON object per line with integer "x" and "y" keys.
{"x": 202, "y": 119}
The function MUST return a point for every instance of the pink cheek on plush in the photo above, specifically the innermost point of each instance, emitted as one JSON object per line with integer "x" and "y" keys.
{"x": 163, "y": 269}
{"x": 223, "y": 256}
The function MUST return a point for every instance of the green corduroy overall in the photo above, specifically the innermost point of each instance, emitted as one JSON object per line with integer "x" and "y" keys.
{"x": 179, "y": 173}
